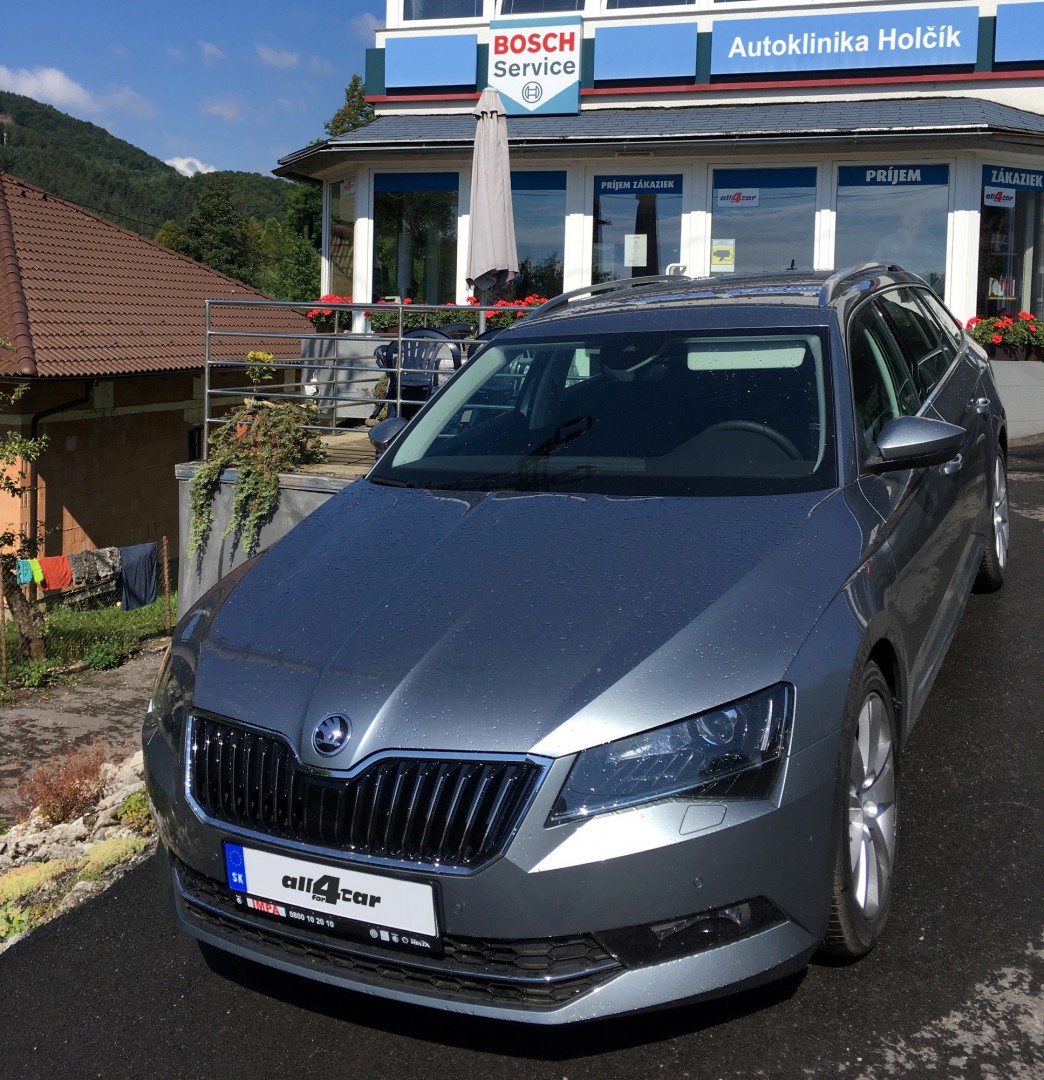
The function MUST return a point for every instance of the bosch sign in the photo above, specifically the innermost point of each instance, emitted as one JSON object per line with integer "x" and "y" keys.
{"x": 536, "y": 67}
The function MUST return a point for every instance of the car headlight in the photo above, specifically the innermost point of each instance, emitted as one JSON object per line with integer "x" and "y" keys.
{"x": 735, "y": 750}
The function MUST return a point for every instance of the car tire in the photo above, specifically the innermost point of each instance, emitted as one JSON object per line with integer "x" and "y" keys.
{"x": 868, "y": 808}
{"x": 995, "y": 555}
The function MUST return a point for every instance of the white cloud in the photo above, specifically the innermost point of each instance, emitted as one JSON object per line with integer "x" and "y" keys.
{"x": 189, "y": 166}
{"x": 364, "y": 27}
{"x": 57, "y": 89}
{"x": 50, "y": 85}
{"x": 277, "y": 58}
{"x": 210, "y": 51}
{"x": 174, "y": 52}
{"x": 319, "y": 65}
{"x": 227, "y": 108}
{"x": 126, "y": 100}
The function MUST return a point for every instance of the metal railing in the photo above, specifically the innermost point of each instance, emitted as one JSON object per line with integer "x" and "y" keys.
{"x": 333, "y": 371}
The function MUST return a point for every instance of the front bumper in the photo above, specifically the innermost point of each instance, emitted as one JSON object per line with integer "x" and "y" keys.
{"x": 570, "y": 922}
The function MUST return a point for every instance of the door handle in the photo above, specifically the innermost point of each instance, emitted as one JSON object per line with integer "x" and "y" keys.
{"x": 982, "y": 406}
{"x": 951, "y": 468}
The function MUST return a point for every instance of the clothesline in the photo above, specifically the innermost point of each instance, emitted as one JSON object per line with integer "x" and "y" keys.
{"x": 133, "y": 569}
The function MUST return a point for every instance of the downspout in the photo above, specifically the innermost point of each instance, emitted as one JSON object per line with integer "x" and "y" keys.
{"x": 34, "y": 431}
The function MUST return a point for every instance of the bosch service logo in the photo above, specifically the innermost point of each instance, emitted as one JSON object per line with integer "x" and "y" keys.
{"x": 331, "y": 734}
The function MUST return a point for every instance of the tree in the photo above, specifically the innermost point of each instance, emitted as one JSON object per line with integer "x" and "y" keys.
{"x": 304, "y": 213}
{"x": 354, "y": 113}
{"x": 171, "y": 235}
{"x": 217, "y": 232}
{"x": 15, "y": 451}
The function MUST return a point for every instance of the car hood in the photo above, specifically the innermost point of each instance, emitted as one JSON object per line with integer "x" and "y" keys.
{"x": 509, "y": 622}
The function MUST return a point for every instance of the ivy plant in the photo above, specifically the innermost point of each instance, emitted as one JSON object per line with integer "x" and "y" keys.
{"x": 260, "y": 440}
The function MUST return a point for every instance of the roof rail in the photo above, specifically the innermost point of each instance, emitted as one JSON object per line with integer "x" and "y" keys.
{"x": 832, "y": 286}
{"x": 617, "y": 284}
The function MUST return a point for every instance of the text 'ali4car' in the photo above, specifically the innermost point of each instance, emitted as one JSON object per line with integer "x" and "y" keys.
{"x": 590, "y": 696}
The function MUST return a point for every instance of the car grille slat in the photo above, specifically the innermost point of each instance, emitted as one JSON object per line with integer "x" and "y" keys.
{"x": 420, "y": 810}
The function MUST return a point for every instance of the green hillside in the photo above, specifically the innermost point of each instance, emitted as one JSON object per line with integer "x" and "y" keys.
{"x": 83, "y": 163}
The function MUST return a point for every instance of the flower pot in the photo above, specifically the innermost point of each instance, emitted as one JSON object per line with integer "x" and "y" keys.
{"x": 1012, "y": 352}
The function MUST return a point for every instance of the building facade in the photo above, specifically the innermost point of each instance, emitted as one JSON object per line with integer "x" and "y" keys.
{"x": 721, "y": 136}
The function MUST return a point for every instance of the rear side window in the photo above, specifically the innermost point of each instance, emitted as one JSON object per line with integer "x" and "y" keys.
{"x": 882, "y": 388}
{"x": 929, "y": 351}
{"x": 950, "y": 326}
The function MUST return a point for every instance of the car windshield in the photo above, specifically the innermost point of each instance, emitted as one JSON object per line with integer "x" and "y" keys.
{"x": 720, "y": 412}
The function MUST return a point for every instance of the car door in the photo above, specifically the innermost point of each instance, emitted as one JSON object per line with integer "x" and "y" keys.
{"x": 923, "y": 509}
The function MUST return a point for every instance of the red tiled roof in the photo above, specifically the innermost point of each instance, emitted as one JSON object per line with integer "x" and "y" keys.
{"x": 80, "y": 296}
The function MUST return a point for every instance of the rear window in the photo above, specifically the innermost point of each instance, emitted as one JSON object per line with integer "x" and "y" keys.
{"x": 653, "y": 413}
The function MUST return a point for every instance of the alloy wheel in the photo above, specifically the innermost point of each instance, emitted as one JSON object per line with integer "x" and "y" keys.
{"x": 872, "y": 817}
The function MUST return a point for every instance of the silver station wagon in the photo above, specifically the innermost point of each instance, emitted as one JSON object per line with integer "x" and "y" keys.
{"x": 590, "y": 697}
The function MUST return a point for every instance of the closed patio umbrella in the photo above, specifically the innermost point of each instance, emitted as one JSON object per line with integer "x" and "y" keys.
{"x": 492, "y": 254}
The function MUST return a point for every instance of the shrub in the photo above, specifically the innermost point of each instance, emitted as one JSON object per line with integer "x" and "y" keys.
{"x": 64, "y": 789}
{"x": 33, "y": 673}
{"x": 136, "y": 813}
{"x": 103, "y": 656}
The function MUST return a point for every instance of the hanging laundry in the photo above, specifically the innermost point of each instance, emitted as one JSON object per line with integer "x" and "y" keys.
{"x": 57, "y": 573}
{"x": 107, "y": 560}
{"x": 23, "y": 572}
{"x": 138, "y": 573}
{"x": 34, "y": 565}
{"x": 81, "y": 564}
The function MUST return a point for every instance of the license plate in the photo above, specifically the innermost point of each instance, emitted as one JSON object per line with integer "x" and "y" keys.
{"x": 388, "y": 908}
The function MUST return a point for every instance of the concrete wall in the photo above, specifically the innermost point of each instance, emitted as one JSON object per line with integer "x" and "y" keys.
{"x": 299, "y": 495}
{"x": 1021, "y": 386}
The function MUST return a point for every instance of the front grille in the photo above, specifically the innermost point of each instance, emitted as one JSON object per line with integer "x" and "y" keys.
{"x": 426, "y": 811}
{"x": 545, "y": 972}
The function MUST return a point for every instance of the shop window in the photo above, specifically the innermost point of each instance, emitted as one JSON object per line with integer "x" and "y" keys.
{"x": 764, "y": 220}
{"x": 415, "y": 236}
{"x": 1011, "y": 243}
{"x": 441, "y": 9}
{"x": 894, "y": 213}
{"x": 538, "y": 203}
{"x": 539, "y": 7}
{"x": 637, "y": 225}
{"x": 342, "y": 236}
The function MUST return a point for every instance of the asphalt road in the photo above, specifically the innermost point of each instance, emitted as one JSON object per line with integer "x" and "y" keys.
{"x": 955, "y": 991}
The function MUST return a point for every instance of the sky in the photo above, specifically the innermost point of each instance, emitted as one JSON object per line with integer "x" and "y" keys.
{"x": 200, "y": 84}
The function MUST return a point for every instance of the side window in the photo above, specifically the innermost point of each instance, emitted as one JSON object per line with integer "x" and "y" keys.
{"x": 928, "y": 349}
{"x": 950, "y": 326}
{"x": 881, "y": 385}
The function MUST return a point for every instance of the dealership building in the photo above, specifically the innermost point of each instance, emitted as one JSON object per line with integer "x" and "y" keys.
{"x": 722, "y": 136}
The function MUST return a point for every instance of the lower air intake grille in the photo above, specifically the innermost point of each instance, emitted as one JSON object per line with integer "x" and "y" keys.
{"x": 431, "y": 811}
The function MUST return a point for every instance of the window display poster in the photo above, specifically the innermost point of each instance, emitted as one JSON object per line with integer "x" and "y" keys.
{"x": 636, "y": 249}
{"x": 723, "y": 256}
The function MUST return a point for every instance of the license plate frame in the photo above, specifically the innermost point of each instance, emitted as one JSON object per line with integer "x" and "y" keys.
{"x": 378, "y": 908}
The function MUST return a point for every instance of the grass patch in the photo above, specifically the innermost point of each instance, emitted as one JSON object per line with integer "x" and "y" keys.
{"x": 23, "y": 881}
{"x": 109, "y": 853}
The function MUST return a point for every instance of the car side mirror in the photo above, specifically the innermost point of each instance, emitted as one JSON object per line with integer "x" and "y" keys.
{"x": 383, "y": 435}
{"x": 915, "y": 442}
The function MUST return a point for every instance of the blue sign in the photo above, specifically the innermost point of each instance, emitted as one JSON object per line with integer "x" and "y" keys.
{"x": 919, "y": 37}
{"x": 638, "y": 185}
{"x": 892, "y": 175}
{"x": 1019, "y": 33}
{"x": 1012, "y": 177}
{"x": 235, "y": 867}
